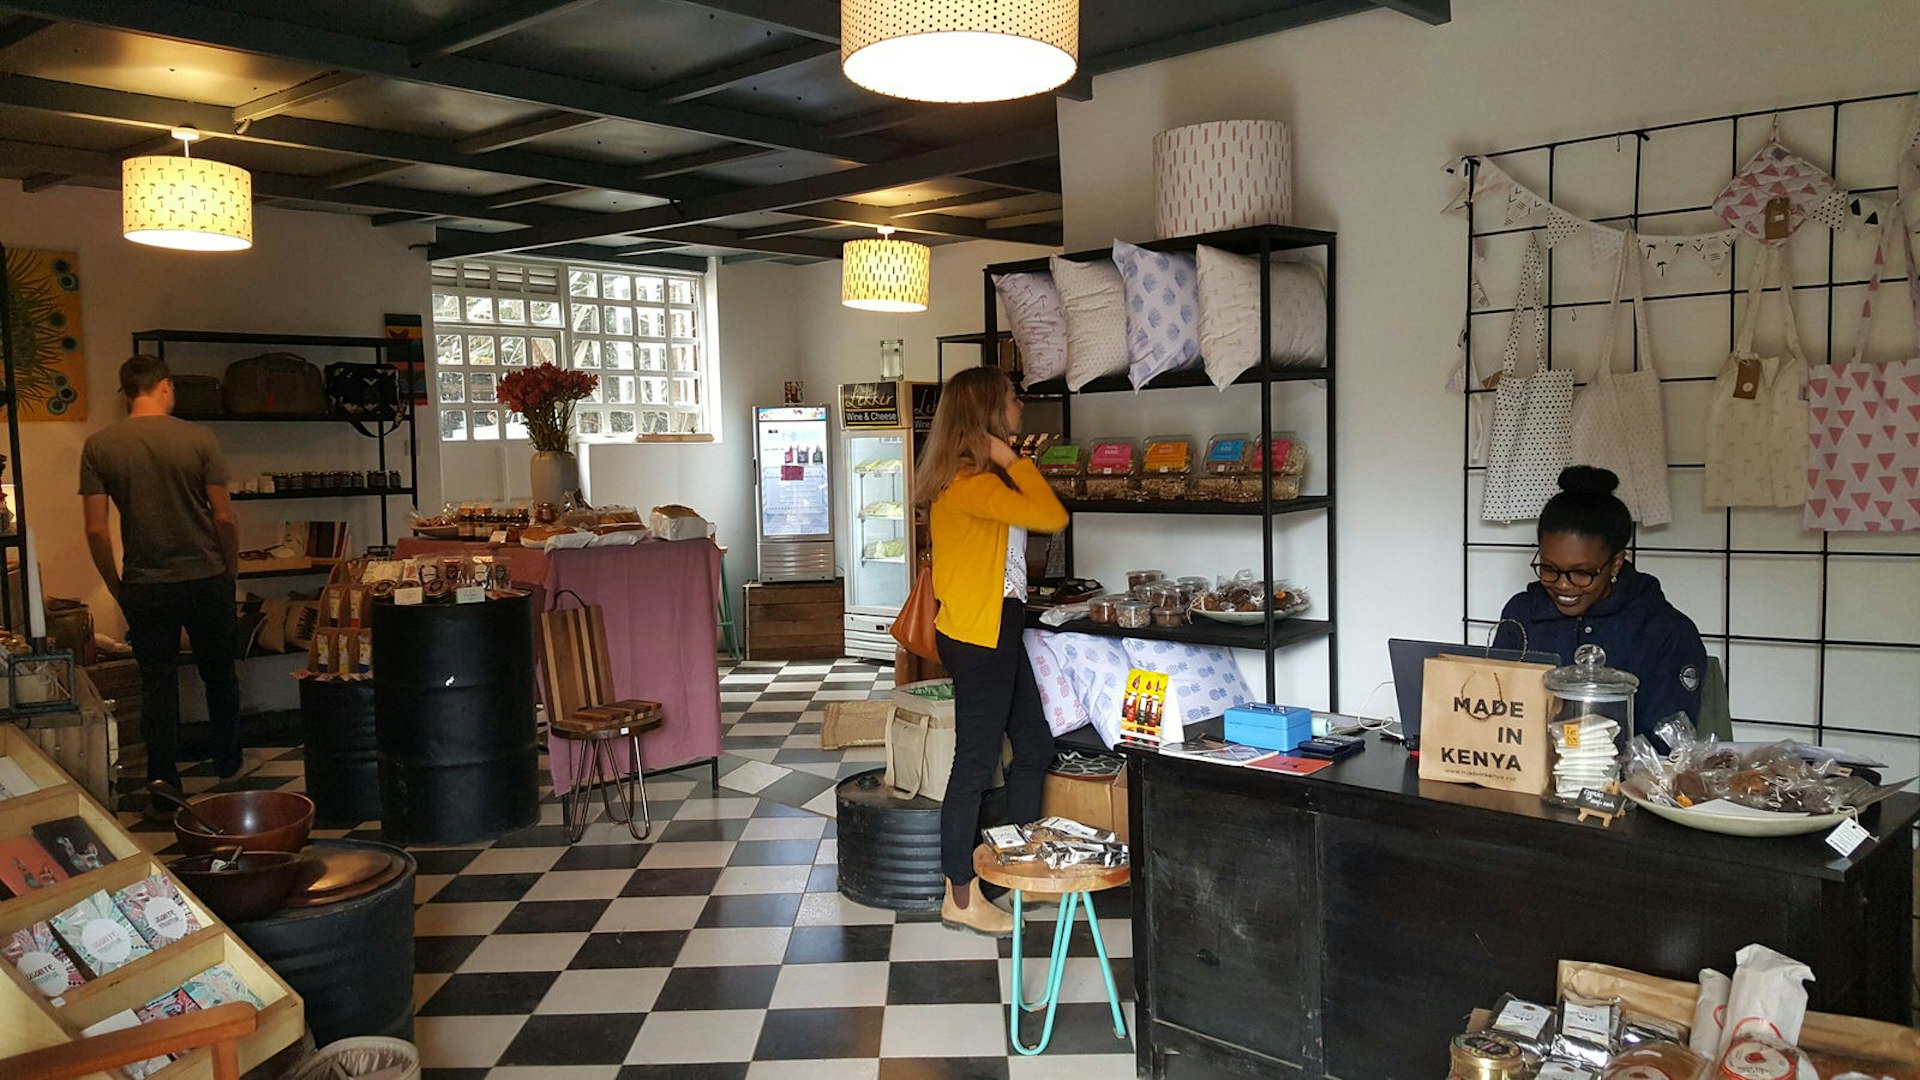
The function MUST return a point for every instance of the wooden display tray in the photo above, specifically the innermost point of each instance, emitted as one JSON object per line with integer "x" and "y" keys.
{"x": 29, "y": 1021}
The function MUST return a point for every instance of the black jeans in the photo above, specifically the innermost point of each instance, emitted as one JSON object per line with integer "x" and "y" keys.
{"x": 993, "y": 695}
{"x": 155, "y": 616}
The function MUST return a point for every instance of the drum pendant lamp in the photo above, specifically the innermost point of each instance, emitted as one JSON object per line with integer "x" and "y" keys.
{"x": 959, "y": 50}
{"x": 885, "y": 274}
{"x": 186, "y": 203}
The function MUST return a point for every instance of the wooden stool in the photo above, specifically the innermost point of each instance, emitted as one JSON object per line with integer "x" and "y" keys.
{"x": 1076, "y": 886}
{"x": 594, "y": 728}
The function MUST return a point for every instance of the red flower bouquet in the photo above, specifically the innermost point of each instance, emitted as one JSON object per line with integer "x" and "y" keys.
{"x": 545, "y": 395}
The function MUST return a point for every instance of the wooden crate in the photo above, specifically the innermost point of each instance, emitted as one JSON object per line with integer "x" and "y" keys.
{"x": 803, "y": 620}
{"x": 29, "y": 1021}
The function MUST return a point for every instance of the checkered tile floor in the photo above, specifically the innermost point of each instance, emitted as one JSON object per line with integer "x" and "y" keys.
{"x": 719, "y": 950}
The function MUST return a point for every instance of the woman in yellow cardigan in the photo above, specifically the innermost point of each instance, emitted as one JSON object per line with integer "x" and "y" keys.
{"x": 984, "y": 500}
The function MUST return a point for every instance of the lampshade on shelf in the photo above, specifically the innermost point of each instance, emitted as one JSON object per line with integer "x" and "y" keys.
{"x": 884, "y": 274}
{"x": 187, "y": 203}
{"x": 959, "y": 50}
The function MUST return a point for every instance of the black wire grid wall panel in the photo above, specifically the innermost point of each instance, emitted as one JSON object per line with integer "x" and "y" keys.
{"x": 1895, "y": 657}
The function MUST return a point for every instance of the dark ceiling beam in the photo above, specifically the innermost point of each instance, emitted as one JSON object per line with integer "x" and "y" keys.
{"x": 708, "y": 236}
{"x": 525, "y": 195}
{"x": 20, "y": 29}
{"x": 816, "y": 19}
{"x": 712, "y": 82}
{"x": 789, "y": 228}
{"x": 506, "y": 135}
{"x": 1226, "y": 33}
{"x": 1431, "y": 12}
{"x": 39, "y": 182}
{"x": 841, "y": 212}
{"x": 950, "y": 202}
{"x": 294, "y": 96}
{"x": 1037, "y": 218}
{"x": 968, "y": 157}
{"x": 650, "y": 260}
{"x": 700, "y": 159}
{"x": 746, "y": 257}
{"x": 363, "y": 174}
{"x": 494, "y": 24}
{"x": 381, "y": 221}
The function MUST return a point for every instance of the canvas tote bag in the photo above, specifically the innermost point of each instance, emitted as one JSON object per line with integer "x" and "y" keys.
{"x": 1484, "y": 721}
{"x": 1618, "y": 421}
{"x": 919, "y": 755}
{"x": 1863, "y": 470}
{"x": 1530, "y": 439}
{"x": 1756, "y": 437}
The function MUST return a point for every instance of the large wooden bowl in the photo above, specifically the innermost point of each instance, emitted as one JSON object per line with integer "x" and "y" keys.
{"x": 256, "y": 820}
{"x": 255, "y": 885}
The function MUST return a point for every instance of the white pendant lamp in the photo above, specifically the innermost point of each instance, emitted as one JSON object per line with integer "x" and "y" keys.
{"x": 885, "y": 274}
{"x": 959, "y": 50}
{"x": 186, "y": 203}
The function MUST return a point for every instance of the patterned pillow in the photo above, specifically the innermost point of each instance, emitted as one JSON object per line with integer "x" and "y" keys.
{"x": 1098, "y": 667}
{"x": 1039, "y": 325}
{"x": 1203, "y": 680}
{"x": 1230, "y": 314}
{"x": 1163, "y": 310}
{"x": 1096, "y": 311}
{"x": 1063, "y": 709}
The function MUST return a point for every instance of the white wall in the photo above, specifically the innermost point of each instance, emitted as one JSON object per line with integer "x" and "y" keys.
{"x": 1377, "y": 103}
{"x": 307, "y": 273}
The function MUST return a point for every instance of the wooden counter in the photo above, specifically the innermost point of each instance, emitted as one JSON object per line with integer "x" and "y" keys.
{"x": 1342, "y": 925}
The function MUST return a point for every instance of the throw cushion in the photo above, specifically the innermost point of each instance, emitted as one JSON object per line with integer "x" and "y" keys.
{"x": 273, "y": 631}
{"x": 1096, "y": 311}
{"x": 1098, "y": 667}
{"x": 1202, "y": 680}
{"x": 1162, "y": 290}
{"x": 1063, "y": 710}
{"x": 1230, "y": 314}
{"x": 1039, "y": 325}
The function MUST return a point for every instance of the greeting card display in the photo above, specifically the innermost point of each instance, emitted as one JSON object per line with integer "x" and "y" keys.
{"x": 99, "y": 935}
{"x": 39, "y": 956}
{"x": 70, "y": 841}
{"x": 25, "y": 866}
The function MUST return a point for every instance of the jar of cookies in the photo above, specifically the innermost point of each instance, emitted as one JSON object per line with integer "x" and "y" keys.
{"x": 1169, "y": 616}
{"x": 1061, "y": 464}
{"x": 1132, "y": 614}
{"x": 1166, "y": 463}
{"x": 1113, "y": 467}
{"x": 1589, "y": 720}
{"x": 1138, "y": 578}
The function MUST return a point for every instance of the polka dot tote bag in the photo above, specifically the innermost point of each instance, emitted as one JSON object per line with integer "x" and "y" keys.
{"x": 1532, "y": 416}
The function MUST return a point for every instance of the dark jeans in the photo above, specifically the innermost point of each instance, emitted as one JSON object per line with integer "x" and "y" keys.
{"x": 993, "y": 695}
{"x": 155, "y": 616}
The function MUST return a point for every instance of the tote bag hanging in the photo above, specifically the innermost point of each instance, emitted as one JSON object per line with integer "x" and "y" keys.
{"x": 1529, "y": 442}
{"x": 1863, "y": 419}
{"x": 1756, "y": 438}
{"x": 1618, "y": 422}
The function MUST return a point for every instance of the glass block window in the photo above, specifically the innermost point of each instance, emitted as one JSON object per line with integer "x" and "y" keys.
{"x": 644, "y": 332}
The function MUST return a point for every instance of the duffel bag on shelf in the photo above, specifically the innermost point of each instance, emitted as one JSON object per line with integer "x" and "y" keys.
{"x": 275, "y": 382}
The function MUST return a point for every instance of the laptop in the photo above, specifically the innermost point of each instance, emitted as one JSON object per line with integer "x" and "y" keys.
{"x": 1409, "y": 661}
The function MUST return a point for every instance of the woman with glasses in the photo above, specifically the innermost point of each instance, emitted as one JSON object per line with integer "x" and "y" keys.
{"x": 1588, "y": 593}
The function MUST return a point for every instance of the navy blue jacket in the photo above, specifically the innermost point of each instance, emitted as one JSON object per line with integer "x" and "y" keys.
{"x": 1642, "y": 633}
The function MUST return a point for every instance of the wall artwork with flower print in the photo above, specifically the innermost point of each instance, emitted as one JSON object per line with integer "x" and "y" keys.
{"x": 43, "y": 334}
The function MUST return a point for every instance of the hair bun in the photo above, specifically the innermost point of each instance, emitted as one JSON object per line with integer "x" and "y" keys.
{"x": 1588, "y": 480}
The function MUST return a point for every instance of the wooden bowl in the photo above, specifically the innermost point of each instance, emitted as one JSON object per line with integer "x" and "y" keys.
{"x": 255, "y": 820}
{"x": 255, "y": 886}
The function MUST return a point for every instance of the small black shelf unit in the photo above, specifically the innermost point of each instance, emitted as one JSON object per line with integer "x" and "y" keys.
{"x": 1273, "y": 634}
{"x": 381, "y": 349}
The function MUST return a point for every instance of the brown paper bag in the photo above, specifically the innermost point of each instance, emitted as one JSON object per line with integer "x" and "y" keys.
{"x": 1484, "y": 721}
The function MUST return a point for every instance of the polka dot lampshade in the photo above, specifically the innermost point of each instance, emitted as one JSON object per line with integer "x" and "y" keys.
{"x": 187, "y": 203}
{"x": 885, "y": 275}
{"x": 959, "y": 50}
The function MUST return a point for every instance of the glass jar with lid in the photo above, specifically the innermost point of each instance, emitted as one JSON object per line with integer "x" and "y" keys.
{"x": 1589, "y": 720}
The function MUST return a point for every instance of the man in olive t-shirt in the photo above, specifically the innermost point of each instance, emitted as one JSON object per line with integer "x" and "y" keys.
{"x": 180, "y": 553}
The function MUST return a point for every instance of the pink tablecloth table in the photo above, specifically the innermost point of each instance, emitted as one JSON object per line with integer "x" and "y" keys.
{"x": 658, "y": 599}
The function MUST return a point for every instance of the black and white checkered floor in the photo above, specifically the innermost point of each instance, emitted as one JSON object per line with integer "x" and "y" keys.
{"x": 720, "y": 949}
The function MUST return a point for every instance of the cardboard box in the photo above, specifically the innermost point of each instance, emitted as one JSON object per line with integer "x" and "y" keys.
{"x": 1099, "y": 801}
{"x": 855, "y": 723}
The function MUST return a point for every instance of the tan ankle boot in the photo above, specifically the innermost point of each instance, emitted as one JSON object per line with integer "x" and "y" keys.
{"x": 978, "y": 917}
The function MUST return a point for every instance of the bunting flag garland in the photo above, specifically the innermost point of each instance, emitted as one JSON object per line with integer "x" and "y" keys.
{"x": 1606, "y": 246}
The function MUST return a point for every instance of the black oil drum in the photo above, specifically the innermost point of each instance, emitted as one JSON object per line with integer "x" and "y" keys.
{"x": 342, "y": 754}
{"x": 890, "y": 847}
{"x": 453, "y": 703}
{"x": 352, "y": 961}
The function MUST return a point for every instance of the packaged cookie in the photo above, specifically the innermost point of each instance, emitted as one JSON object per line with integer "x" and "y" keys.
{"x": 1166, "y": 464}
{"x": 98, "y": 935}
{"x": 1061, "y": 464}
{"x": 1112, "y": 471}
{"x": 1227, "y": 458}
{"x": 1289, "y": 466}
{"x": 157, "y": 910}
{"x": 36, "y": 954}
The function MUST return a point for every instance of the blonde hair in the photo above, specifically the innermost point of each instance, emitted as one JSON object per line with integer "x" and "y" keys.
{"x": 973, "y": 409}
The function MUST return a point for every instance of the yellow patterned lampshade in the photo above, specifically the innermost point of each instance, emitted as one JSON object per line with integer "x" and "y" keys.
{"x": 885, "y": 275}
{"x": 959, "y": 50}
{"x": 187, "y": 203}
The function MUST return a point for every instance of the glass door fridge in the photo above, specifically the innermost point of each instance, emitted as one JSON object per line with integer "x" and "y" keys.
{"x": 793, "y": 493}
{"x": 877, "y": 451}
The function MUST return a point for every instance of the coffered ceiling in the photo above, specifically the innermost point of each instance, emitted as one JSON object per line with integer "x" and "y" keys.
{"x": 658, "y": 132}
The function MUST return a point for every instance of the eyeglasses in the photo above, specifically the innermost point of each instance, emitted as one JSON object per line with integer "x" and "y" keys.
{"x": 1579, "y": 579}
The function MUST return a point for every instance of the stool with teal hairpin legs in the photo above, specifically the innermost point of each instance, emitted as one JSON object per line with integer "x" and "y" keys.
{"x": 1076, "y": 886}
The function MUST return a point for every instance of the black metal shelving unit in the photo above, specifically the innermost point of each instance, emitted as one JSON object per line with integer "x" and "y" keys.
{"x": 1272, "y": 634}
{"x": 381, "y": 349}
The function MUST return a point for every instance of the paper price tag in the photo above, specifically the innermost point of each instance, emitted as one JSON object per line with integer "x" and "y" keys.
{"x": 499, "y": 537}
{"x": 409, "y": 596}
{"x": 1847, "y": 838}
{"x": 470, "y": 594}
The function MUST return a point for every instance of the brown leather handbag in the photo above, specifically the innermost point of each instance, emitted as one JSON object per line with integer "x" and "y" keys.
{"x": 913, "y": 627}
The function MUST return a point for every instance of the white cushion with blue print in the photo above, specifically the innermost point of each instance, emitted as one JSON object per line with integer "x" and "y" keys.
{"x": 1098, "y": 667}
{"x": 1202, "y": 680}
{"x": 1163, "y": 310}
{"x": 1057, "y": 698}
